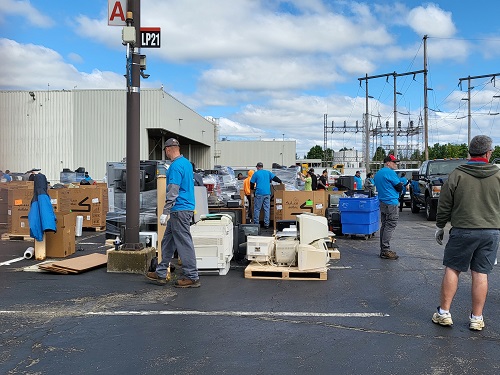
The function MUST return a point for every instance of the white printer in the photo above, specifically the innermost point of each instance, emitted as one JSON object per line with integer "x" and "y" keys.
{"x": 213, "y": 242}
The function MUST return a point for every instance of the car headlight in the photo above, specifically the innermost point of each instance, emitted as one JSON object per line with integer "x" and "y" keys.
{"x": 436, "y": 190}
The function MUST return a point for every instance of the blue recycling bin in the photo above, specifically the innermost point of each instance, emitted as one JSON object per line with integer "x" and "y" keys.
{"x": 359, "y": 216}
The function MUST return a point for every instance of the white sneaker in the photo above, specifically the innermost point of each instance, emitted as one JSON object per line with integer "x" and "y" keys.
{"x": 476, "y": 324}
{"x": 442, "y": 319}
{"x": 496, "y": 261}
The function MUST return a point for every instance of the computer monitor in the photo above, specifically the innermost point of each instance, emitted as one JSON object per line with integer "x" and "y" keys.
{"x": 123, "y": 180}
{"x": 311, "y": 228}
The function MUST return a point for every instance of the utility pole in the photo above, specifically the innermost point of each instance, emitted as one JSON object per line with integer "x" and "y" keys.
{"x": 395, "y": 118}
{"x": 133, "y": 129}
{"x": 387, "y": 75}
{"x": 367, "y": 130}
{"x": 426, "y": 106}
{"x": 469, "y": 88}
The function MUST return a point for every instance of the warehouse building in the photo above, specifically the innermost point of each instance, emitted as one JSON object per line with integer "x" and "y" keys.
{"x": 69, "y": 129}
{"x": 54, "y": 130}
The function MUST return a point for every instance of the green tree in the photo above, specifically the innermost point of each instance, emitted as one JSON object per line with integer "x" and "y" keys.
{"x": 315, "y": 152}
{"x": 496, "y": 153}
{"x": 379, "y": 154}
{"x": 328, "y": 154}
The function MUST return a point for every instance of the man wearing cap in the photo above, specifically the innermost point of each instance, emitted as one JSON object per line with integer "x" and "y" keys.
{"x": 177, "y": 216}
{"x": 389, "y": 187}
{"x": 470, "y": 200}
{"x": 261, "y": 182}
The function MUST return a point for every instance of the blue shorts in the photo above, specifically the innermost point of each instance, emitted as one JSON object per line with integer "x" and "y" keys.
{"x": 474, "y": 248}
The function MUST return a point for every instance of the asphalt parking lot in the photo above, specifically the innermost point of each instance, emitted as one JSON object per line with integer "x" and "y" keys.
{"x": 371, "y": 316}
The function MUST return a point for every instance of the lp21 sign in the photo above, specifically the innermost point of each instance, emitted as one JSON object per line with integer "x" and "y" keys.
{"x": 150, "y": 37}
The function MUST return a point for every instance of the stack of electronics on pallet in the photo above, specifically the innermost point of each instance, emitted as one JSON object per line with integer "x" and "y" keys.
{"x": 213, "y": 241}
{"x": 303, "y": 245}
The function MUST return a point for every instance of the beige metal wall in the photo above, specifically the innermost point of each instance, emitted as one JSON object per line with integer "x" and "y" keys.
{"x": 36, "y": 132}
{"x": 87, "y": 128}
{"x": 249, "y": 153}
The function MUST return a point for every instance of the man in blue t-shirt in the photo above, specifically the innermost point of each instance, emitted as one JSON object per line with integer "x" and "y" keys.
{"x": 177, "y": 216}
{"x": 388, "y": 187}
{"x": 358, "y": 181}
{"x": 261, "y": 182}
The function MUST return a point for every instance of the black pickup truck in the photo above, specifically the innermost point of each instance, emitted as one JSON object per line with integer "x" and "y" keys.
{"x": 426, "y": 184}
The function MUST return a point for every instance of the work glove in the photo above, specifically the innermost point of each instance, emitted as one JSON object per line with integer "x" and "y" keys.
{"x": 439, "y": 235}
{"x": 164, "y": 218}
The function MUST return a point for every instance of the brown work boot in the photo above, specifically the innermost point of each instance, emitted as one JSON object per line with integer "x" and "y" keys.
{"x": 187, "y": 283}
{"x": 153, "y": 276}
{"x": 388, "y": 254}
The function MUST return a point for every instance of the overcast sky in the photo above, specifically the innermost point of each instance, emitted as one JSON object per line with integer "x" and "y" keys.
{"x": 268, "y": 68}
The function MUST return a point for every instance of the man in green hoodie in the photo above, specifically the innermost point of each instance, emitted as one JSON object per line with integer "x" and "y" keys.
{"x": 470, "y": 200}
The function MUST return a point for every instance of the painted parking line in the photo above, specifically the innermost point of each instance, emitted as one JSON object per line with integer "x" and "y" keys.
{"x": 241, "y": 313}
{"x": 9, "y": 262}
{"x": 212, "y": 313}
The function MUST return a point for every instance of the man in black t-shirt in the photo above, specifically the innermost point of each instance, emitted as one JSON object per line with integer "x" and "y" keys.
{"x": 323, "y": 181}
{"x": 314, "y": 179}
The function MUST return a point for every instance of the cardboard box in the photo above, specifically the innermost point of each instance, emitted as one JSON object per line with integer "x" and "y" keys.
{"x": 61, "y": 243}
{"x": 17, "y": 220}
{"x": 289, "y": 204}
{"x": 60, "y": 199}
{"x": 20, "y": 196}
{"x": 91, "y": 202}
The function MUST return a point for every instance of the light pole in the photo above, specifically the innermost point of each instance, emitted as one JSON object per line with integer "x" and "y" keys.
{"x": 133, "y": 129}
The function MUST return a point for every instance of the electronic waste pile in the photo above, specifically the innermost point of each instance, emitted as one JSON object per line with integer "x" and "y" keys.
{"x": 300, "y": 252}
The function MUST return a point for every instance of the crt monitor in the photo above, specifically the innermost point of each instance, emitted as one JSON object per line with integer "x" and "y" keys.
{"x": 311, "y": 228}
{"x": 149, "y": 168}
{"x": 123, "y": 180}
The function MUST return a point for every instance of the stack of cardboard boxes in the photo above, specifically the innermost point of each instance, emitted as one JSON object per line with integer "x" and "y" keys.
{"x": 89, "y": 201}
{"x": 289, "y": 204}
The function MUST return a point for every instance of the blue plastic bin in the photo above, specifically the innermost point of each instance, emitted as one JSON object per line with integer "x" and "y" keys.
{"x": 365, "y": 229}
{"x": 348, "y": 217}
{"x": 358, "y": 204}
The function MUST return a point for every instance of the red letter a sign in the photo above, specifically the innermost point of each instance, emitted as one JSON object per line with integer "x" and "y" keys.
{"x": 116, "y": 12}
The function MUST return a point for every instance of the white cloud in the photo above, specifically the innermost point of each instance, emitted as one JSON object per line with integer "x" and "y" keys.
{"x": 98, "y": 30}
{"x": 75, "y": 57}
{"x": 431, "y": 20}
{"x": 25, "y": 9}
{"x": 46, "y": 66}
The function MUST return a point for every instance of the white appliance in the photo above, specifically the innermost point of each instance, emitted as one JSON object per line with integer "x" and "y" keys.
{"x": 213, "y": 243}
{"x": 259, "y": 248}
{"x": 312, "y": 228}
{"x": 149, "y": 239}
{"x": 286, "y": 252}
{"x": 312, "y": 249}
{"x": 314, "y": 256}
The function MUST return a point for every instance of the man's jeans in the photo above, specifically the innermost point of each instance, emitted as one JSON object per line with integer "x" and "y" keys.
{"x": 259, "y": 202}
{"x": 178, "y": 237}
{"x": 389, "y": 216}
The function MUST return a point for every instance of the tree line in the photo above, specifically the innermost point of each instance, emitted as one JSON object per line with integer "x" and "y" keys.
{"x": 438, "y": 151}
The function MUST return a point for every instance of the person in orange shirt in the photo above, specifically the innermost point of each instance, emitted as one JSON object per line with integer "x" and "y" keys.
{"x": 246, "y": 189}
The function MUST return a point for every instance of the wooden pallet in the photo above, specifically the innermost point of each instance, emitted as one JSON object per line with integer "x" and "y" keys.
{"x": 97, "y": 229}
{"x": 16, "y": 237}
{"x": 257, "y": 271}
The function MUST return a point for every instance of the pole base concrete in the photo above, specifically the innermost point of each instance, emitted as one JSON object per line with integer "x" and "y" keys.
{"x": 123, "y": 261}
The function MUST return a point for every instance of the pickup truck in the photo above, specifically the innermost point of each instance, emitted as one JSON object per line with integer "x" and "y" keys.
{"x": 426, "y": 184}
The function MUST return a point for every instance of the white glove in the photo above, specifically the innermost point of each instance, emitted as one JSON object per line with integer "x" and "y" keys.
{"x": 439, "y": 235}
{"x": 164, "y": 218}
